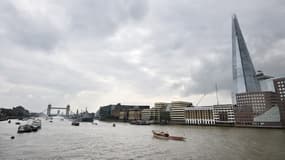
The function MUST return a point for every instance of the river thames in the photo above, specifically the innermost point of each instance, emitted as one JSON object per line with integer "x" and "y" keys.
{"x": 59, "y": 140}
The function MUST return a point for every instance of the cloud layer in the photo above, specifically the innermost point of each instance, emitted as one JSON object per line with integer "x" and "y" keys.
{"x": 93, "y": 53}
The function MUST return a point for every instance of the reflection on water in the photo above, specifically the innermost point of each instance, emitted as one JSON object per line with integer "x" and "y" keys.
{"x": 60, "y": 140}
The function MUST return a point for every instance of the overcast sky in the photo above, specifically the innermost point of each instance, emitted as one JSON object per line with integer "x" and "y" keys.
{"x": 91, "y": 53}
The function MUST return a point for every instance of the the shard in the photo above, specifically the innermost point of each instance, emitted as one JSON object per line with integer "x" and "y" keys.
{"x": 244, "y": 75}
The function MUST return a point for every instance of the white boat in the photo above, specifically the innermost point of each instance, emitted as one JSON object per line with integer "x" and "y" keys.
{"x": 37, "y": 124}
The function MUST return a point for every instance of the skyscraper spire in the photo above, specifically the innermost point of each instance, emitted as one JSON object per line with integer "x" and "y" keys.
{"x": 244, "y": 75}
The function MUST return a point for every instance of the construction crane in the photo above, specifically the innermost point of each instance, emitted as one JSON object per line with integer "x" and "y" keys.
{"x": 201, "y": 99}
{"x": 203, "y": 96}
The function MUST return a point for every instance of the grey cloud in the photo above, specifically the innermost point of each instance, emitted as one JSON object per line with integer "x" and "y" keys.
{"x": 183, "y": 48}
{"x": 21, "y": 28}
{"x": 98, "y": 19}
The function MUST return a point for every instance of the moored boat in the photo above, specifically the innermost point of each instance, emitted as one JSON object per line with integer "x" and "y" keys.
{"x": 75, "y": 123}
{"x": 25, "y": 128}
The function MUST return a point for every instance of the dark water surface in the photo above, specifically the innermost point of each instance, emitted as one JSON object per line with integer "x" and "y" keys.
{"x": 59, "y": 140}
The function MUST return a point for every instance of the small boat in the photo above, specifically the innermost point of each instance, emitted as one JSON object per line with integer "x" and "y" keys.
{"x": 37, "y": 124}
{"x": 166, "y": 136}
{"x": 50, "y": 121}
{"x": 17, "y": 123}
{"x": 75, "y": 123}
{"x": 114, "y": 125}
{"x": 25, "y": 128}
{"x": 9, "y": 121}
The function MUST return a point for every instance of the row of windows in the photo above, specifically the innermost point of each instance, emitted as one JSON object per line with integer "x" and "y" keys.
{"x": 251, "y": 102}
{"x": 250, "y": 95}
{"x": 281, "y": 82}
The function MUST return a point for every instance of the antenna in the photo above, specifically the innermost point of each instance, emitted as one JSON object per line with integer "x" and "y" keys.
{"x": 217, "y": 94}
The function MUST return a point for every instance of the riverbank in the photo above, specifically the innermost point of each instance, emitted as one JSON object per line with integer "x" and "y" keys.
{"x": 216, "y": 125}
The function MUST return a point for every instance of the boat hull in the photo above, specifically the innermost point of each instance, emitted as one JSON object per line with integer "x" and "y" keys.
{"x": 160, "y": 137}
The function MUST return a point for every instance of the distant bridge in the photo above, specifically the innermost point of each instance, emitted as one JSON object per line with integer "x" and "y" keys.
{"x": 49, "y": 108}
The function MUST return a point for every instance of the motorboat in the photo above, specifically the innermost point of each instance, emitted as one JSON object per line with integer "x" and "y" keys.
{"x": 25, "y": 128}
{"x": 75, "y": 123}
{"x": 166, "y": 136}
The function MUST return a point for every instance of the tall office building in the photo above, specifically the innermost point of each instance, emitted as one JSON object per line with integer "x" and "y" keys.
{"x": 244, "y": 75}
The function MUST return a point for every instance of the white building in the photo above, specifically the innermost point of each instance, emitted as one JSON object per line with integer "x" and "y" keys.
{"x": 224, "y": 114}
{"x": 199, "y": 115}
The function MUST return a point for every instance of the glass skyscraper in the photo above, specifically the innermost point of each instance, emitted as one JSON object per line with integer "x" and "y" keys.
{"x": 244, "y": 75}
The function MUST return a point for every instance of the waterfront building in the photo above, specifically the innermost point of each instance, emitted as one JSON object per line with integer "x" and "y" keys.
{"x": 244, "y": 75}
{"x": 199, "y": 115}
{"x": 258, "y": 109}
{"x": 155, "y": 114}
{"x": 105, "y": 112}
{"x": 134, "y": 114}
{"x": 157, "y": 109}
{"x": 146, "y": 114}
{"x": 123, "y": 115}
{"x": 270, "y": 118}
{"x": 164, "y": 117}
{"x": 118, "y": 111}
{"x": 177, "y": 111}
{"x": 279, "y": 85}
{"x": 224, "y": 114}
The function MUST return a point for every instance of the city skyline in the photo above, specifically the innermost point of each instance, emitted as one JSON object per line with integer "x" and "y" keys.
{"x": 132, "y": 52}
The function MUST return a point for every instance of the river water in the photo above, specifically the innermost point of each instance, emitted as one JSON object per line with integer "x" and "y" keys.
{"x": 59, "y": 140}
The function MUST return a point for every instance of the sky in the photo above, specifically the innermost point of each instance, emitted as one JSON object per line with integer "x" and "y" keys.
{"x": 92, "y": 53}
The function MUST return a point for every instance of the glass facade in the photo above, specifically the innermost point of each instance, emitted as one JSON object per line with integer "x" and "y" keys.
{"x": 244, "y": 75}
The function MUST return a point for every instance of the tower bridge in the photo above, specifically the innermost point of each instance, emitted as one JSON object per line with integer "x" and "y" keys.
{"x": 49, "y": 108}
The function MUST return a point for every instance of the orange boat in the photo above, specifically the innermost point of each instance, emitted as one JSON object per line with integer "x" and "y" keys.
{"x": 166, "y": 136}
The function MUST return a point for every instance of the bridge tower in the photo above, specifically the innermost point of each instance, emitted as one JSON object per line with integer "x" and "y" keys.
{"x": 67, "y": 110}
{"x": 49, "y": 109}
